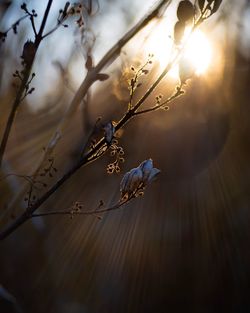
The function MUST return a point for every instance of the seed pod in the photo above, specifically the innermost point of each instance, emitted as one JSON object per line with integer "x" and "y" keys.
{"x": 185, "y": 11}
{"x": 179, "y": 29}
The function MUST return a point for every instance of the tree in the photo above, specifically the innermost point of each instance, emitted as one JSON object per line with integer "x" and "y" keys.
{"x": 102, "y": 136}
{"x": 182, "y": 246}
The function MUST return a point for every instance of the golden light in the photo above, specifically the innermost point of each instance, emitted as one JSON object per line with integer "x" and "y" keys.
{"x": 198, "y": 50}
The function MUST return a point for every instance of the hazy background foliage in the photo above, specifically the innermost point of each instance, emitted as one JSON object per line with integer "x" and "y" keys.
{"x": 185, "y": 244}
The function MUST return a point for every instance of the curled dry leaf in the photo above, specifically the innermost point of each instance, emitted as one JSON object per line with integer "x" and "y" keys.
{"x": 131, "y": 181}
{"x": 185, "y": 11}
{"x": 134, "y": 179}
{"x": 138, "y": 178}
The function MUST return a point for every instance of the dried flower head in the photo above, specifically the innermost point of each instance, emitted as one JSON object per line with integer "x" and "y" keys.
{"x": 135, "y": 181}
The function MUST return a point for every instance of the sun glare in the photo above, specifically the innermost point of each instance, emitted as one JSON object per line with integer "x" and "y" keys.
{"x": 198, "y": 50}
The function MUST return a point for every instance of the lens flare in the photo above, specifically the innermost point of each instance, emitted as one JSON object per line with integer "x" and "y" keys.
{"x": 199, "y": 51}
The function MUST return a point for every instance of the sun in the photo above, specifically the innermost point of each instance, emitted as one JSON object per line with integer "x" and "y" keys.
{"x": 198, "y": 50}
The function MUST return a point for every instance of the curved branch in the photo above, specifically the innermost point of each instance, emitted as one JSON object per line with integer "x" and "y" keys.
{"x": 89, "y": 156}
{"x": 178, "y": 93}
{"x": 21, "y": 90}
{"x": 91, "y": 212}
{"x": 91, "y": 77}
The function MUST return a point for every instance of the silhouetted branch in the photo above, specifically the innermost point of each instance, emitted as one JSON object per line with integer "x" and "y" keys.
{"x": 90, "y": 78}
{"x": 177, "y": 93}
{"x": 95, "y": 212}
{"x": 102, "y": 145}
{"x": 25, "y": 79}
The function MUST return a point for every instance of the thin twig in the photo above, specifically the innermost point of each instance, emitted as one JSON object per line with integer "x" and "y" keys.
{"x": 178, "y": 93}
{"x": 88, "y": 157}
{"x": 16, "y": 23}
{"x": 91, "y": 212}
{"x": 133, "y": 84}
{"x": 33, "y": 25}
{"x": 45, "y": 17}
{"x": 91, "y": 133}
{"x": 21, "y": 90}
{"x": 91, "y": 77}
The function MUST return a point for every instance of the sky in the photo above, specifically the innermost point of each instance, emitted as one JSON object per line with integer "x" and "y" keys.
{"x": 113, "y": 19}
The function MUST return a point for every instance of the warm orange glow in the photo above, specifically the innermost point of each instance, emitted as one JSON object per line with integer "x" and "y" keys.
{"x": 198, "y": 49}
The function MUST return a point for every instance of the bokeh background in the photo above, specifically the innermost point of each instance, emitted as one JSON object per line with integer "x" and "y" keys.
{"x": 184, "y": 246}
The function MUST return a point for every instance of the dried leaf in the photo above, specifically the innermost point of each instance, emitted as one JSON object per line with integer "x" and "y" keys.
{"x": 131, "y": 180}
{"x": 216, "y": 6}
{"x": 201, "y": 4}
{"x": 138, "y": 178}
{"x": 134, "y": 179}
{"x": 185, "y": 11}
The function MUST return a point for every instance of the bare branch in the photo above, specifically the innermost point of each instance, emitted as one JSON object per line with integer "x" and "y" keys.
{"x": 95, "y": 212}
{"x": 98, "y": 149}
{"x": 26, "y": 75}
{"x": 91, "y": 77}
{"x": 178, "y": 93}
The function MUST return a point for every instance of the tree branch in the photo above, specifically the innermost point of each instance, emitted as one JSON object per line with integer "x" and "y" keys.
{"x": 73, "y": 212}
{"x": 91, "y": 77}
{"x": 178, "y": 93}
{"x": 88, "y": 157}
{"x": 21, "y": 90}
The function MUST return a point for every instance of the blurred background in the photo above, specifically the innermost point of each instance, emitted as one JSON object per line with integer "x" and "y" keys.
{"x": 183, "y": 246}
